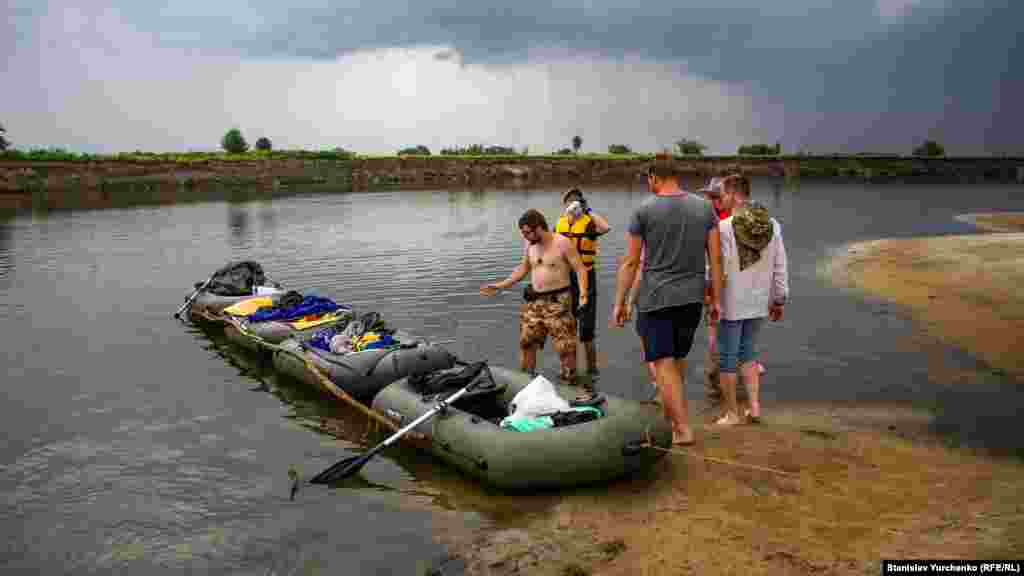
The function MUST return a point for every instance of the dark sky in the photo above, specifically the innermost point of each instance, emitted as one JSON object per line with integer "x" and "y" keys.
{"x": 850, "y": 75}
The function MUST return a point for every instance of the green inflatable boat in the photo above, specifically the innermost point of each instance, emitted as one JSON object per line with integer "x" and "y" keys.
{"x": 255, "y": 335}
{"x": 468, "y": 434}
{"x": 360, "y": 374}
{"x": 235, "y": 282}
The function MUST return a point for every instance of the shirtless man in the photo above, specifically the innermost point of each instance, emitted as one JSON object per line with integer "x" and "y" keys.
{"x": 549, "y": 260}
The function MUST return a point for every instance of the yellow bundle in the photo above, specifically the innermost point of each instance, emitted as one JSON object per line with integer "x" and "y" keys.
{"x": 249, "y": 306}
{"x": 316, "y": 319}
{"x": 361, "y": 343}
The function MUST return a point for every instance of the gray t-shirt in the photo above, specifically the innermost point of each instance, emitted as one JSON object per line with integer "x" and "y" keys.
{"x": 674, "y": 231}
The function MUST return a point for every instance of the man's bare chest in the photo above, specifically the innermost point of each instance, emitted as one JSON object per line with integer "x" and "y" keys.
{"x": 545, "y": 258}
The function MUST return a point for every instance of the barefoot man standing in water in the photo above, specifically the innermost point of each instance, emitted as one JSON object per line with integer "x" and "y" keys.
{"x": 549, "y": 260}
{"x": 675, "y": 230}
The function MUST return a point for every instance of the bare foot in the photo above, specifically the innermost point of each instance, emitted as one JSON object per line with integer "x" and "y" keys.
{"x": 684, "y": 438}
{"x": 727, "y": 420}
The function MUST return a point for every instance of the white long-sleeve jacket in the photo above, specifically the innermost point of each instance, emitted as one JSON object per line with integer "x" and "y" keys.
{"x": 749, "y": 293}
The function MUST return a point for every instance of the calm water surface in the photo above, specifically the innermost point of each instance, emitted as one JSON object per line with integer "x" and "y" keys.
{"x": 133, "y": 442}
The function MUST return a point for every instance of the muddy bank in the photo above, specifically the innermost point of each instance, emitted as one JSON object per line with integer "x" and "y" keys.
{"x": 807, "y": 492}
{"x": 359, "y": 173}
{"x": 962, "y": 289}
{"x": 996, "y": 222}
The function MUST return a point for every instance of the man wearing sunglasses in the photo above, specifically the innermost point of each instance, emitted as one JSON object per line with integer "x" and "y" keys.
{"x": 550, "y": 260}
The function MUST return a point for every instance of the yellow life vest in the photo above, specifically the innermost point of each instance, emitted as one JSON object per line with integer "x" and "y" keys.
{"x": 586, "y": 240}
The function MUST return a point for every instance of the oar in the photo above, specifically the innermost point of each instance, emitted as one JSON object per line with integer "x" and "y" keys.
{"x": 192, "y": 297}
{"x": 350, "y": 466}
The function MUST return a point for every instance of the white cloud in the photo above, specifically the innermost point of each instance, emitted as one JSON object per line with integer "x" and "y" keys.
{"x": 99, "y": 83}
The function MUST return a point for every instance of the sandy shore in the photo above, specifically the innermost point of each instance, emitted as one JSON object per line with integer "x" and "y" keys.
{"x": 962, "y": 289}
{"x": 830, "y": 490}
{"x": 996, "y": 222}
{"x": 799, "y": 494}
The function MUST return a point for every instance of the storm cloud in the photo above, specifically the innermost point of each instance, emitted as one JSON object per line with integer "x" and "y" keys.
{"x": 822, "y": 76}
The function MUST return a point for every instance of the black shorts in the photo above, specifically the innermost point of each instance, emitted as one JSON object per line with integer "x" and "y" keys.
{"x": 668, "y": 332}
{"x": 586, "y": 319}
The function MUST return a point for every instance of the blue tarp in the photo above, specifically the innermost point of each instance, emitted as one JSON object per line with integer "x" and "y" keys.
{"x": 310, "y": 305}
{"x": 322, "y": 339}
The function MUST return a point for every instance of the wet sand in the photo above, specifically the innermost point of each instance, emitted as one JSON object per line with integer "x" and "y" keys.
{"x": 962, "y": 289}
{"x": 848, "y": 485}
{"x": 832, "y": 498}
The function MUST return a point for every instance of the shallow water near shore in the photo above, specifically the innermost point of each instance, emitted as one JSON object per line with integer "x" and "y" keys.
{"x": 137, "y": 443}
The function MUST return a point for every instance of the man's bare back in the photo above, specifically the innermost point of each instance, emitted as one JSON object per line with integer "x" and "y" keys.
{"x": 549, "y": 264}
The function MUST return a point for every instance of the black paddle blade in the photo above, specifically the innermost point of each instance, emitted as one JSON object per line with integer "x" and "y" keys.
{"x": 341, "y": 470}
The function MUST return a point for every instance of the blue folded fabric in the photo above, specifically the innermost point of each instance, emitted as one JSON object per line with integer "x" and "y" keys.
{"x": 322, "y": 339}
{"x": 310, "y": 305}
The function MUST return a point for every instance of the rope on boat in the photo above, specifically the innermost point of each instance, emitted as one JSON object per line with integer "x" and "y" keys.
{"x": 649, "y": 443}
{"x": 325, "y": 382}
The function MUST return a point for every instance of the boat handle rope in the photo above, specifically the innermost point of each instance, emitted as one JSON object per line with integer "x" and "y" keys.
{"x": 649, "y": 443}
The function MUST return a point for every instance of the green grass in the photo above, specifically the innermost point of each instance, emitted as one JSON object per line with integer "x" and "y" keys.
{"x": 61, "y": 155}
{"x": 847, "y": 163}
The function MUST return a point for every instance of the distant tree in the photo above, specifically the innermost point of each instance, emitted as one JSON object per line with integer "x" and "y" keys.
{"x": 420, "y": 150}
{"x": 577, "y": 142}
{"x": 263, "y": 143}
{"x": 759, "y": 150}
{"x": 233, "y": 142}
{"x": 480, "y": 150}
{"x": 565, "y": 151}
{"x": 3, "y": 141}
{"x": 688, "y": 147}
{"x": 500, "y": 151}
{"x": 619, "y": 149}
{"x": 930, "y": 148}
{"x": 525, "y": 151}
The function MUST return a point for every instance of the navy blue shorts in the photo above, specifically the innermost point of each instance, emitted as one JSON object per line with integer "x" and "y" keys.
{"x": 668, "y": 332}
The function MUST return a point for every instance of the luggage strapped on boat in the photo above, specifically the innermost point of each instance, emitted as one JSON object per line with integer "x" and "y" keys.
{"x": 431, "y": 384}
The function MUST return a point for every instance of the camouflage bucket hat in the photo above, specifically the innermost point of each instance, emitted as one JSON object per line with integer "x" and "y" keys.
{"x": 754, "y": 231}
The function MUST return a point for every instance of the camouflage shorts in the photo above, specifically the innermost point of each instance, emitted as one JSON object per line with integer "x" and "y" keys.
{"x": 550, "y": 316}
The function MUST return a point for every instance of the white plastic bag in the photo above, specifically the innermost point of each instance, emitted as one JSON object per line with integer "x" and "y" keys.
{"x": 537, "y": 398}
{"x": 267, "y": 290}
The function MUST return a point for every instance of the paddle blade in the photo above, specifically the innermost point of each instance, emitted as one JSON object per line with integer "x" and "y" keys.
{"x": 341, "y": 470}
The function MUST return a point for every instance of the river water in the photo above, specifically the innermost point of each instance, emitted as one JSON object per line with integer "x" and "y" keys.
{"x": 133, "y": 442}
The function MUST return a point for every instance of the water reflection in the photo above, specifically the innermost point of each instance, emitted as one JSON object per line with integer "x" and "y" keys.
{"x": 6, "y": 250}
{"x": 268, "y": 221}
{"x": 477, "y": 197}
{"x": 238, "y": 218}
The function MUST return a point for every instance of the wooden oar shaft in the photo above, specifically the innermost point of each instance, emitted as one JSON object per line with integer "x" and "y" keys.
{"x": 317, "y": 373}
{"x": 333, "y": 388}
